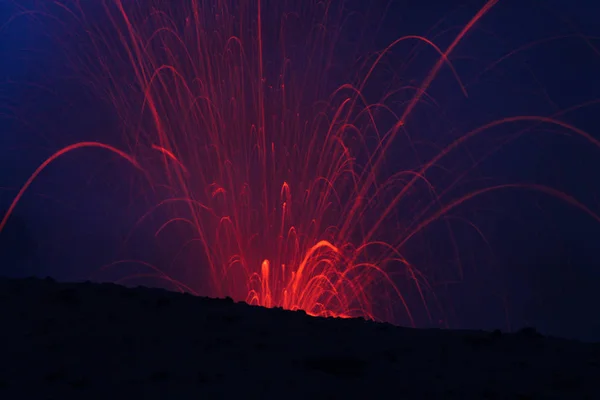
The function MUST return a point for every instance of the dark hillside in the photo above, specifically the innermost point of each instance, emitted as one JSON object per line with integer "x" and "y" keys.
{"x": 88, "y": 341}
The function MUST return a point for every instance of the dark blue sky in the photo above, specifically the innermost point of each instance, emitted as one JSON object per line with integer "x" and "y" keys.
{"x": 544, "y": 270}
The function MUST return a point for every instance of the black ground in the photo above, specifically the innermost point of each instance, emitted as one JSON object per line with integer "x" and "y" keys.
{"x": 103, "y": 341}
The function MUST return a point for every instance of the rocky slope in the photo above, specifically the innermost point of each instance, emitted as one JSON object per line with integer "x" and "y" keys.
{"x": 104, "y": 341}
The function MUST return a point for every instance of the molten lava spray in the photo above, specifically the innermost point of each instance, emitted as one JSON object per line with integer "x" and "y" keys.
{"x": 272, "y": 176}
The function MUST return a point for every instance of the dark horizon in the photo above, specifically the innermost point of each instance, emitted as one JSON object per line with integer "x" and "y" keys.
{"x": 542, "y": 269}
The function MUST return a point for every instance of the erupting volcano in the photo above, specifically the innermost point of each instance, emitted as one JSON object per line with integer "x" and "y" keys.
{"x": 290, "y": 176}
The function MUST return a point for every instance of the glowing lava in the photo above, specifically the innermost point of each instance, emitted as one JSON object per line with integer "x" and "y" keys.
{"x": 274, "y": 178}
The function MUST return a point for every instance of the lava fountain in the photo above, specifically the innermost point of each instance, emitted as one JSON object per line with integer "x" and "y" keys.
{"x": 278, "y": 181}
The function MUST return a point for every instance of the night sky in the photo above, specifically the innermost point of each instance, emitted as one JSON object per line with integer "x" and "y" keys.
{"x": 542, "y": 270}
